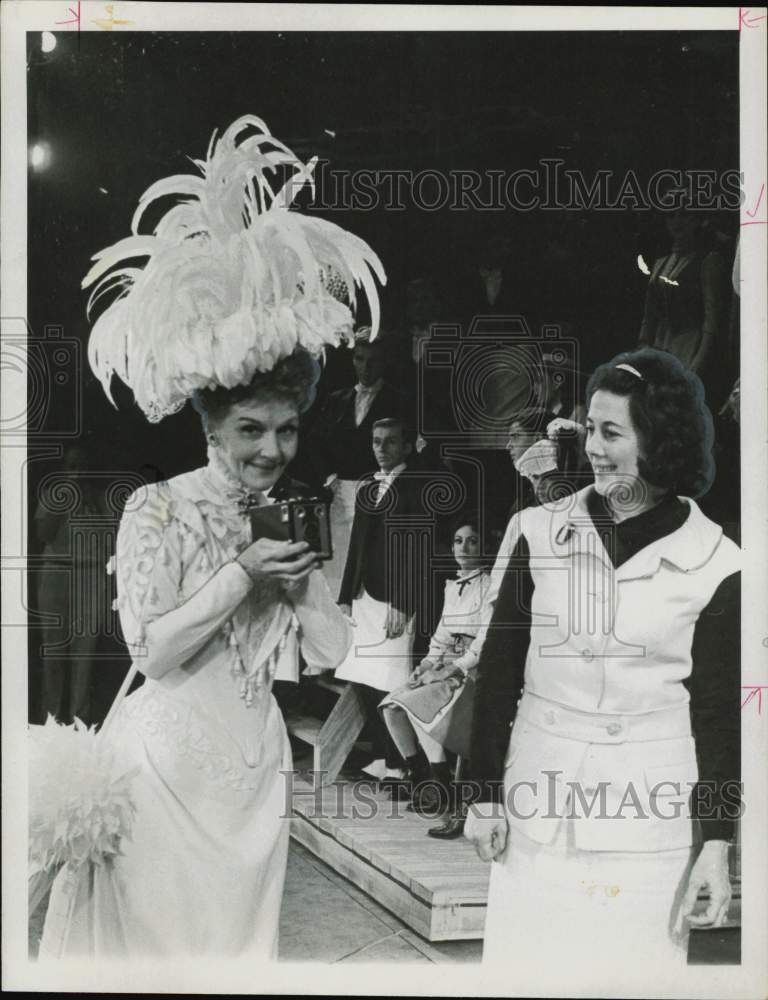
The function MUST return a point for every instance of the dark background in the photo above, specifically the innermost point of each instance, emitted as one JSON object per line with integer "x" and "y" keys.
{"x": 121, "y": 110}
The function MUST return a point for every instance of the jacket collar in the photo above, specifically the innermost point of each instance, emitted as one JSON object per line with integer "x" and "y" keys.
{"x": 688, "y": 548}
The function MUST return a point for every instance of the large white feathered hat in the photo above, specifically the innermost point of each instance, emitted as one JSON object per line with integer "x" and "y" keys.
{"x": 234, "y": 280}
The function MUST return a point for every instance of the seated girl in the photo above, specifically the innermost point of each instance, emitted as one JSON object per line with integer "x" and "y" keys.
{"x": 424, "y": 716}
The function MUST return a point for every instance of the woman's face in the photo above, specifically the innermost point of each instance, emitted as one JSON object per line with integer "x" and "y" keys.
{"x": 466, "y": 547}
{"x": 612, "y": 445}
{"x": 257, "y": 439}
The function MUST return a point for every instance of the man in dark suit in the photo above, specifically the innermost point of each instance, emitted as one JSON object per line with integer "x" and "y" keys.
{"x": 340, "y": 433}
{"x": 382, "y": 576}
{"x": 338, "y": 443}
{"x": 496, "y": 284}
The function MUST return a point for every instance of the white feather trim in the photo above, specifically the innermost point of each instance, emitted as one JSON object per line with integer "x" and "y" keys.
{"x": 233, "y": 279}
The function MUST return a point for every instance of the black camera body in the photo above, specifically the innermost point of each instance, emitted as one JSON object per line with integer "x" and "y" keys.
{"x": 307, "y": 519}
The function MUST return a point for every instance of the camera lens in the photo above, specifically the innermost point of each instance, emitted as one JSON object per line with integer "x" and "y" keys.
{"x": 312, "y": 531}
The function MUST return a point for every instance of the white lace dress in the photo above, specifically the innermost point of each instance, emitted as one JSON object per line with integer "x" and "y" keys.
{"x": 204, "y": 870}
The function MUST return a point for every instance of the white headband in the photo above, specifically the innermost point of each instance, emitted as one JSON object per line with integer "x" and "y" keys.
{"x": 631, "y": 370}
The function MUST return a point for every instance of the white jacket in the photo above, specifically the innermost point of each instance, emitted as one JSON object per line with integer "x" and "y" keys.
{"x": 604, "y": 699}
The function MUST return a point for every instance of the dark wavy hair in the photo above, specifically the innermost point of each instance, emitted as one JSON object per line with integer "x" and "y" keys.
{"x": 669, "y": 414}
{"x": 293, "y": 378}
{"x": 472, "y": 518}
{"x": 406, "y": 428}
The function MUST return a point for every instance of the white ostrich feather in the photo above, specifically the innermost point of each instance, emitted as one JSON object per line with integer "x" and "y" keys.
{"x": 233, "y": 278}
{"x": 80, "y": 804}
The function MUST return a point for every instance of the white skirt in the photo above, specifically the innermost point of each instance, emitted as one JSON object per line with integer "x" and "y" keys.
{"x": 203, "y": 870}
{"x": 381, "y": 663}
{"x": 589, "y": 909}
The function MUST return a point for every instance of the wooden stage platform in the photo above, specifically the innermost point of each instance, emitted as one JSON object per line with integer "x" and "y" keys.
{"x": 438, "y": 888}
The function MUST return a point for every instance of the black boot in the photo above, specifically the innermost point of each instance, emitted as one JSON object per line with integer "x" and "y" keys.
{"x": 417, "y": 771}
{"x": 452, "y": 826}
{"x": 433, "y": 797}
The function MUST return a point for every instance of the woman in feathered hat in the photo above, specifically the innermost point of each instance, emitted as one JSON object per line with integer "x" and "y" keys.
{"x": 238, "y": 298}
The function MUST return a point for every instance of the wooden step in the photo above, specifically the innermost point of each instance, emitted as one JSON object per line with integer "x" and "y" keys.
{"x": 305, "y": 727}
{"x": 334, "y": 736}
{"x": 438, "y": 889}
{"x": 329, "y": 683}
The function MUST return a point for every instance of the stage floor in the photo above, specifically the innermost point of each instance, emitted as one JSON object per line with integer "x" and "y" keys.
{"x": 438, "y": 888}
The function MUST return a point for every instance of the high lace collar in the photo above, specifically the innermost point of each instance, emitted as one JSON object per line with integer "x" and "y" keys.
{"x": 224, "y": 486}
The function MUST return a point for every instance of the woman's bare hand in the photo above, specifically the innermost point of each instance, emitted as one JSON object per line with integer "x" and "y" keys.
{"x": 486, "y": 828}
{"x": 416, "y": 678}
{"x": 287, "y": 562}
{"x": 710, "y": 871}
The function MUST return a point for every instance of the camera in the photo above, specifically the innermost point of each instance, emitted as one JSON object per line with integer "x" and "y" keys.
{"x": 300, "y": 520}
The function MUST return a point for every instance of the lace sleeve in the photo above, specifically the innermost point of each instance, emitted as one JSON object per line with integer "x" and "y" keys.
{"x": 160, "y": 626}
{"x": 148, "y": 562}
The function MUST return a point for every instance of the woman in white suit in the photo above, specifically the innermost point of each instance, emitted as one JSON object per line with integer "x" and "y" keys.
{"x": 613, "y": 648}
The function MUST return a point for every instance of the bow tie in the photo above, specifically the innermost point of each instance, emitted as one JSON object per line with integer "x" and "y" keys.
{"x": 248, "y": 502}
{"x": 462, "y": 581}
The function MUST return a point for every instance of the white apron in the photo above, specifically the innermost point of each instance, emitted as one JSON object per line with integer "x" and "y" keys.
{"x": 342, "y": 516}
{"x": 381, "y": 663}
{"x": 586, "y": 904}
{"x": 554, "y": 881}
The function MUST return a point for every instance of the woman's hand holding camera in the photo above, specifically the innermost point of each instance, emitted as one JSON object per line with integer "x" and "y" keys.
{"x": 288, "y": 562}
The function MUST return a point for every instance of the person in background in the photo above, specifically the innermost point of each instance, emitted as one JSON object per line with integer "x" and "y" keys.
{"x": 338, "y": 450}
{"x": 552, "y": 464}
{"x": 70, "y": 591}
{"x": 382, "y": 576}
{"x": 558, "y": 390}
{"x": 433, "y": 711}
{"x": 495, "y": 282}
{"x": 432, "y": 413}
{"x": 524, "y": 432}
{"x": 686, "y": 302}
